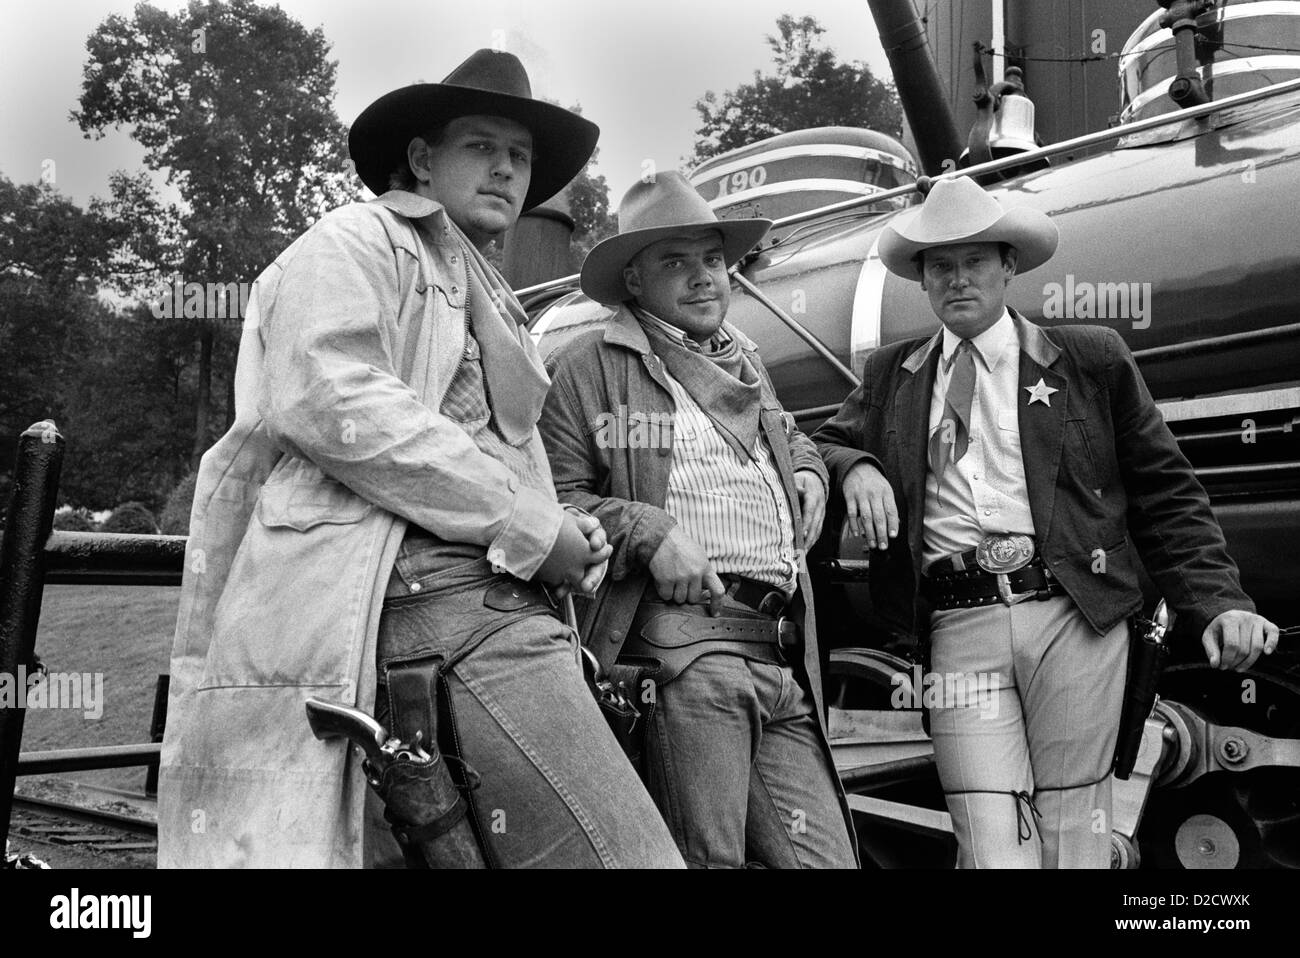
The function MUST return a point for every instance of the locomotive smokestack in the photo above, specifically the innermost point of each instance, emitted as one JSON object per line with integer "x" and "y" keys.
{"x": 917, "y": 81}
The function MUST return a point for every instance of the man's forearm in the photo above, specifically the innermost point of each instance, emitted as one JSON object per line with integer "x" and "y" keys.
{"x": 1169, "y": 515}
{"x": 840, "y": 440}
{"x": 635, "y": 529}
{"x": 805, "y": 457}
{"x": 333, "y": 397}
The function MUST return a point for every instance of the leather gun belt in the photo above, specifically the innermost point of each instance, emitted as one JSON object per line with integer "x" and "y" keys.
{"x": 677, "y": 635}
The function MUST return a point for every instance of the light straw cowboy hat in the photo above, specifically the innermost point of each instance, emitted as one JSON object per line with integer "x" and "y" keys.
{"x": 665, "y": 206}
{"x": 959, "y": 211}
{"x": 489, "y": 83}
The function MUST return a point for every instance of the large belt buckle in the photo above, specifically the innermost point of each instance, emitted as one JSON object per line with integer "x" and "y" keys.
{"x": 1001, "y": 554}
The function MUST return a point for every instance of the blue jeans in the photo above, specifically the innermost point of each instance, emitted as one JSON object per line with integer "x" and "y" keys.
{"x": 737, "y": 765}
{"x": 557, "y": 790}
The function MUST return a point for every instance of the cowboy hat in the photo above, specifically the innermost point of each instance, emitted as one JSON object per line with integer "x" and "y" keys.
{"x": 489, "y": 83}
{"x": 665, "y": 206}
{"x": 959, "y": 211}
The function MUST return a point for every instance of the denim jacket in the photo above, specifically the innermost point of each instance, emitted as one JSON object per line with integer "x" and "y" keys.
{"x": 351, "y": 338}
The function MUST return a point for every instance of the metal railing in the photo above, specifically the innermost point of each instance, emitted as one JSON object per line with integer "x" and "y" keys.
{"x": 32, "y": 555}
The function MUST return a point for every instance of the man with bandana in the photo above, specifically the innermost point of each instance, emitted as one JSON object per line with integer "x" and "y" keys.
{"x": 664, "y": 425}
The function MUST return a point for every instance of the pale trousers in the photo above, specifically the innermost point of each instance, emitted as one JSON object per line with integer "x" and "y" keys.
{"x": 1024, "y": 732}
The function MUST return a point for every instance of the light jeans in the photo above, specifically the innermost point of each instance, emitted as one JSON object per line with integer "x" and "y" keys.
{"x": 1034, "y": 709}
{"x": 557, "y": 790}
{"x": 737, "y": 765}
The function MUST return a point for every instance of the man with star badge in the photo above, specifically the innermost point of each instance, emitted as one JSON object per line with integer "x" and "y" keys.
{"x": 1011, "y": 477}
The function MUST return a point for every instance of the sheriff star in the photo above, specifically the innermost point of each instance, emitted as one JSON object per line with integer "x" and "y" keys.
{"x": 1039, "y": 392}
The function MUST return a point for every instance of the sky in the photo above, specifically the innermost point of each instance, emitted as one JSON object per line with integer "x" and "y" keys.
{"x": 636, "y": 69}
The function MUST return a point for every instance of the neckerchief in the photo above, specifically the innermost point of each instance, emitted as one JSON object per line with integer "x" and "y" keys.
{"x": 513, "y": 378}
{"x": 719, "y": 377}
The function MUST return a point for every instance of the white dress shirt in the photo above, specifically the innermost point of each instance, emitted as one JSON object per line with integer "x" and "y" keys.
{"x": 985, "y": 491}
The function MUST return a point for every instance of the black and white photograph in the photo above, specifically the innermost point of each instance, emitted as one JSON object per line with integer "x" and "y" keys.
{"x": 846, "y": 435}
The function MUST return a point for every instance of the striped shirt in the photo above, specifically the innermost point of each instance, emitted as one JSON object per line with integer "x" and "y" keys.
{"x": 466, "y": 402}
{"x": 735, "y": 510}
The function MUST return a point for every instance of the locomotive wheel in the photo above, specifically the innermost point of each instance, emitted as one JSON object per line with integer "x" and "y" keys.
{"x": 1123, "y": 853}
{"x": 861, "y": 680}
{"x": 1226, "y": 819}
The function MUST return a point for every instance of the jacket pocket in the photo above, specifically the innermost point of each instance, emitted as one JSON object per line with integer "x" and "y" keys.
{"x": 1081, "y": 456}
{"x": 302, "y": 506}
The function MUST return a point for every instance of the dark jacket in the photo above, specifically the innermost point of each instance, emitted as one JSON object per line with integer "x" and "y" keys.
{"x": 626, "y": 488}
{"x": 1102, "y": 469}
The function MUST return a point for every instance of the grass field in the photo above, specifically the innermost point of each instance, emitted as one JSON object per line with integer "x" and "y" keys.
{"x": 124, "y": 632}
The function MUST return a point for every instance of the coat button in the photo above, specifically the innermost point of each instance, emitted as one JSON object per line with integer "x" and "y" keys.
{"x": 415, "y": 587}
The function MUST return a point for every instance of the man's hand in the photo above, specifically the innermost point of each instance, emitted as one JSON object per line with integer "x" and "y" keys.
{"x": 1235, "y": 639}
{"x": 682, "y": 572}
{"x": 578, "y": 557}
{"x": 812, "y": 503}
{"x": 590, "y": 527}
{"x": 869, "y": 505}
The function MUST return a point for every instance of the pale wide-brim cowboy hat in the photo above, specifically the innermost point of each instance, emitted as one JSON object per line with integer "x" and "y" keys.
{"x": 662, "y": 207}
{"x": 489, "y": 83}
{"x": 959, "y": 211}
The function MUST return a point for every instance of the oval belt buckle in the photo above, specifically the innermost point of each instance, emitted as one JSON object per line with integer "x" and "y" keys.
{"x": 1001, "y": 554}
{"x": 1004, "y": 552}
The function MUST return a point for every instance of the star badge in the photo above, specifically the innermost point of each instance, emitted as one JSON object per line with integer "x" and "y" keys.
{"x": 1039, "y": 392}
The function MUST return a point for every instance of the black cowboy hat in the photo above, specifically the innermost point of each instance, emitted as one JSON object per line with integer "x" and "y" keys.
{"x": 489, "y": 83}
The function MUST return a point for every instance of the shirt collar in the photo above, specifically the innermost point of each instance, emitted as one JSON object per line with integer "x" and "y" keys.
{"x": 439, "y": 227}
{"x": 717, "y": 341}
{"x": 990, "y": 346}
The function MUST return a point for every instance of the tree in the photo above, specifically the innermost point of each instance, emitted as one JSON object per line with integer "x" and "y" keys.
{"x": 589, "y": 207}
{"x": 126, "y": 404}
{"x": 49, "y": 250}
{"x": 810, "y": 88}
{"x": 47, "y": 239}
{"x": 588, "y": 198}
{"x": 235, "y": 102}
